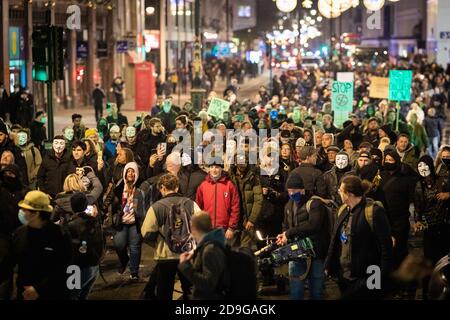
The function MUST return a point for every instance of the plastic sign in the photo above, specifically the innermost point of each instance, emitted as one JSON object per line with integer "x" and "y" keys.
{"x": 400, "y": 85}
{"x": 217, "y": 107}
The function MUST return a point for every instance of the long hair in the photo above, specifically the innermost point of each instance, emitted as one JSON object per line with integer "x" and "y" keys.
{"x": 73, "y": 183}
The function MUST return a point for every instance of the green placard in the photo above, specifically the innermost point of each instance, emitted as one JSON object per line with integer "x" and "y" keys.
{"x": 341, "y": 101}
{"x": 400, "y": 85}
{"x": 217, "y": 107}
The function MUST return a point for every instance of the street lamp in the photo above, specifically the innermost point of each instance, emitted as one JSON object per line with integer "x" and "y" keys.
{"x": 286, "y": 5}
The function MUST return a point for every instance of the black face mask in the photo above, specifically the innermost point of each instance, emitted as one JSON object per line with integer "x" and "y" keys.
{"x": 390, "y": 166}
{"x": 446, "y": 161}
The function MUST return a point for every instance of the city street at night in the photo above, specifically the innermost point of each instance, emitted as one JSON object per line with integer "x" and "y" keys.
{"x": 224, "y": 157}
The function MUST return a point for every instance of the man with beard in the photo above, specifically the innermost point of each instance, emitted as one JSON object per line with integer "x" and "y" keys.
{"x": 371, "y": 134}
{"x": 334, "y": 176}
{"x": 322, "y": 157}
{"x": 53, "y": 169}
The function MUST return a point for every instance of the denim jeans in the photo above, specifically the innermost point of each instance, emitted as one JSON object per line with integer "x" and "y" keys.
{"x": 316, "y": 279}
{"x": 434, "y": 146}
{"x": 128, "y": 236}
{"x": 88, "y": 277}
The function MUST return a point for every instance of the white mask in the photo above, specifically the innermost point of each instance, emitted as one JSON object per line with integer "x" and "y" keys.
{"x": 59, "y": 145}
{"x": 22, "y": 138}
{"x": 424, "y": 169}
{"x": 68, "y": 134}
{"x": 130, "y": 132}
{"x": 341, "y": 161}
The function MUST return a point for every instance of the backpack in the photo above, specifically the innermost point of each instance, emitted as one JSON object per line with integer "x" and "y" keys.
{"x": 331, "y": 207}
{"x": 87, "y": 240}
{"x": 239, "y": 281}
{"x": 177, "y": 227}
{"x": 368, "y": 210}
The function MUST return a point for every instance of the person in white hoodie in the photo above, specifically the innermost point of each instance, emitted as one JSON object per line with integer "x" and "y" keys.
{"x": 128, "y": 215}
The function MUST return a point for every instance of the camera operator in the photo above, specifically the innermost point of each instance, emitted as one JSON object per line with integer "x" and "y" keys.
{"x": 303, "y": 220}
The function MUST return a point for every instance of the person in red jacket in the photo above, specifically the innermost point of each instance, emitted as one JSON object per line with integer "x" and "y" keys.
{"x": 218, "y": 196}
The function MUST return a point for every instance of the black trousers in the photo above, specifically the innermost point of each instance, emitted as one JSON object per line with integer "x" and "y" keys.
{"x": 400, "y": 231}
{"x": 98, "y": 112}
{"x": 162, "y": 281}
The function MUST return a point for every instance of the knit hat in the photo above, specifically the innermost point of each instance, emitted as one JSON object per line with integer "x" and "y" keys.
{"x": 294, "y": 181}
{"x": 78, "y": 202}
{"x": 3, "y": 128}
{"x": 90, "y": 132}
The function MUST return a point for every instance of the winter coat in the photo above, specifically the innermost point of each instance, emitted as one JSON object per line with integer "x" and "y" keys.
{"x": 63, "y": 206}
{"x": 33, "y": 160}
{"x": 250, "y": 196}
{"x": 138, "y": 200}
{"x": 332, "y": 179}
{"x": 168, "y": 120}
{"x": 367, "y": 247}
{"x": 419, "y": 137}
{"x": 207, "y": 267}
{"x": 410, "y": 157}
{"x": 397, "y": 190}
{"x": 351, "y": 133}
{"x": 432, "y": 126}
{"x": 154, "y": 227}
{"x": 52, "y": 173}
{"x": 221, "y": 200}
{"x": 18, "y": 158}
{"x": 42, "y": 256}
{"x": 312, "y": 178}
{"x": 313, "y": 224}
{"x": 38, "y": 134}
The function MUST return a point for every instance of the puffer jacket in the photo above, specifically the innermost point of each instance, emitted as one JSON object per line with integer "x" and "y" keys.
{"x": 250, "y": 196}
{"x": 221, "y": 200}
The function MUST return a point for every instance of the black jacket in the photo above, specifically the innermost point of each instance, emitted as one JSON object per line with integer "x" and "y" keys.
{"x": 19, "y": 160}
{"x": 351, "y": 133}
{"x": 42, "y": 256}
{"x": 367, "y": 247}
{"x": 312, "y": 178}
{"x": 38, "y": 134}
{"x": 52, "y": 173}
{"x": 312, "y": 224}
{"x": 207, "y": 267}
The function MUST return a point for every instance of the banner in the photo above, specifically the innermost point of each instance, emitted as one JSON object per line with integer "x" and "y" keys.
{"x": 379, "y": 88}
{"x": 341, "y": 101}
{"x": 217, "y": 107}
{"x": 400, "y": 85}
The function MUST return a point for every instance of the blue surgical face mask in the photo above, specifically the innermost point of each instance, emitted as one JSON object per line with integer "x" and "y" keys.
{"x": 23, "y": 220}
{"x": 297, "y": 197}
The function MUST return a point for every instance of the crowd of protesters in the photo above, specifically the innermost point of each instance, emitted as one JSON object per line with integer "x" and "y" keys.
{"x": 380, "y": 169}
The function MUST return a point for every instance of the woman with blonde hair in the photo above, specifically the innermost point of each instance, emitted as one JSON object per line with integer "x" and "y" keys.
{"x": 73, "y": 184}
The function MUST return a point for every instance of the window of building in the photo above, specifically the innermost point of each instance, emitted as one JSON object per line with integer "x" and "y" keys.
{"x": 244, "y": 11}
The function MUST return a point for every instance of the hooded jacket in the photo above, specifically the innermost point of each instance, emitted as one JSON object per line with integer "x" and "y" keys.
{"x": 409, "y": 157}
{"x": 138, "y": 200}
{"x": 33, "y": 160}
{"x": 221, "y": 200}
{"x": 207, "y": 267}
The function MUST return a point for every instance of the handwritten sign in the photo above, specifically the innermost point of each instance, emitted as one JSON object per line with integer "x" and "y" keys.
{"x": 400, "y": 85}
{"x": 341, "y": 101}
{"x": 217, "y": 107}
{"x": 345, "y": 77}
{"x": 379, "y": 88}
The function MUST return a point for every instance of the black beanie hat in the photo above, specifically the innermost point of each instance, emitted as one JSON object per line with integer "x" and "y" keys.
{"x": 78, "y": 202}
{"x": 3, "y": 128}
{"x": 294, "y": 181}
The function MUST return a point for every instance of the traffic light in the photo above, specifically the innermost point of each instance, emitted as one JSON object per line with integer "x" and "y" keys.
{"x": 58, "y": 55}
{"x": 41, "y": 42}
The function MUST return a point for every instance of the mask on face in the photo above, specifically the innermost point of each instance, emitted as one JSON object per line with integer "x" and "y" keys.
{"x": 130, "y": 132}
{"x": 167, "y": 106}
{"x": 341, "y": 162}
{"x": 68, "y": 134}
{"x": 446, "y": 161}
{"x": 390, "y": 166}
{"x": 44, "y": 120}
{"x": 424, "y": 169}
{"x": 297, "y": 197}
{"x": 296, "y": 116}
{"x": 59, "y": 145}
{"x": 21, "y": 215}
{"x": 22, "y": 138}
